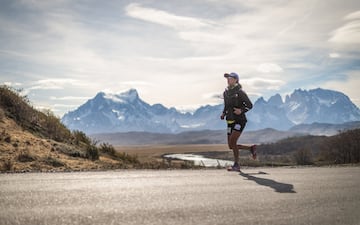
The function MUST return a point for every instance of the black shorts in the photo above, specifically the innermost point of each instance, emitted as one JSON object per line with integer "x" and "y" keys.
{"x": 237, "y": 125}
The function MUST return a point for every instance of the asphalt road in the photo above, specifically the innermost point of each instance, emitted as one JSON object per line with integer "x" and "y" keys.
{"x": 255, "y": 196}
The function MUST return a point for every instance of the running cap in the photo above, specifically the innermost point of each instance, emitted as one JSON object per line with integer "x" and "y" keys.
{"x": 232, "y": 74}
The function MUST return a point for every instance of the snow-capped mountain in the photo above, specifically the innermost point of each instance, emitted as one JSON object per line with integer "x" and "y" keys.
{"x": 319, "y": 105}
{"x": 266, "y": 114}
{"x": 303, "y": 107}
{"x": 108, "y": 113}
{"x": 120, "y": 112}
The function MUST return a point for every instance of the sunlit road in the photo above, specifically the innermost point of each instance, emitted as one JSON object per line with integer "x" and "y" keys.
{"x": 256, "y": 196}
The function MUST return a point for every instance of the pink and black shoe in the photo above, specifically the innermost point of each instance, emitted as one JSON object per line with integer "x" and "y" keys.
{"x": 235, "y": 167}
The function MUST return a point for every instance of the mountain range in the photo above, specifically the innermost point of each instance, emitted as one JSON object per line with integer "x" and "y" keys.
{"x": 126, "y": 112}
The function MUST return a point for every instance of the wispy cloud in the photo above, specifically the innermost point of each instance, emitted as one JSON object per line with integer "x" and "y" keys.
{"x": 264, "y": 84}
{"x": 165, "y": 18}
{"x": 48, "y": 84}
{"x": 349, "y": 33}
{"x": 269, "y": 68}
{"x": 67, "y": 98}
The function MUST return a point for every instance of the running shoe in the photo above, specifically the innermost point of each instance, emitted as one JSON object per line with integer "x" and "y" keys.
{"x": 235, "y": 167}
{"x": 253, "y": 151}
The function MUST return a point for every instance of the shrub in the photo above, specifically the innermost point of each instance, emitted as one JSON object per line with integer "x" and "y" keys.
{"x": 2, "y": 114}
{"x": 303, "y": 157}
{"x": 107, "y": 149}
{"x": 15, "y": 105}
{"x": 92, "y": 152}
{"x": 187, "y": 165}
{"x": 5, "y": 136}
{"x": 80, "y": 137}
{"x": 55, "y": 129}
{"x": 7, "y": 165}
{"x": 53, "y": 162}
{"x": 70, "y": 151}
{"x": 342, "y": 148}
{"x": 25, "y": 156}
{"x": 127, "y": 158}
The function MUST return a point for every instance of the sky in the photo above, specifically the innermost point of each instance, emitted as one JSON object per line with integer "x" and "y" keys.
{"x": 61, "y": 53}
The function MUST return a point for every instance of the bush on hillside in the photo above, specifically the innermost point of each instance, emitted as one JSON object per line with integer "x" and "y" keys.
{"x": 53, "y": 162}
{"x": 15, "y": 106}
{"x": 55, "y": 129}
{"x": 25, "y": 156}
{"x": 44, "y": 124}
{"x": 132, "y": 159}
{"x": 107, "y": 148}
{"x": 303, "y": 157}
{"x": 7, "y": 165}
{"x": 92, "y": 152}
{"x": 292, "y": 144}
{"x": 342, "y": 148}
{"x": 80, "y": 138}
{"x": 2, "y": 114}
{"x": 5, "y": 136}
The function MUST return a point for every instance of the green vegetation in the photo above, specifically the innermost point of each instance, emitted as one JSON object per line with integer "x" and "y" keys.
{"x": 303, "y": 157}
{"x": 342, "y": 148}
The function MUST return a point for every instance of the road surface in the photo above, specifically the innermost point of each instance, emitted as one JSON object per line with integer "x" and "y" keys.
{"x": 255, "y": 196}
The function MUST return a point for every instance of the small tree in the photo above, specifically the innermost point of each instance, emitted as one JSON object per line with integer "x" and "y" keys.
{"x": 107, "y": 149}
{"x": 342, "y": 148}
{"x": 92, "y": 152}
{"x": 80, "y": 137}
{"x": 303, "y": 157}
{"x": 55, "y": 129}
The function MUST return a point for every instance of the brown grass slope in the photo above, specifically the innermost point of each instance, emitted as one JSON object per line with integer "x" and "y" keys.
{"x": 31, "y": 140}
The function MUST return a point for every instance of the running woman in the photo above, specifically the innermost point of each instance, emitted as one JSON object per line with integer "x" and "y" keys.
{"x": 236, "y": 104}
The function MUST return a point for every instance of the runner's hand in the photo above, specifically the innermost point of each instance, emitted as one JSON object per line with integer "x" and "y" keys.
{"x": 237, "y": 111}
{"x": 222, "y": 116}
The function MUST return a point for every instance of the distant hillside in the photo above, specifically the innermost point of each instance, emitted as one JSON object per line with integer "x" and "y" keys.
{"x": 219, "y": 136}
{"x": 324, "y": 128}
{"x": 31, "y": 140}
{"x": 191, "y": 137}
{"x": 341, "y": 148}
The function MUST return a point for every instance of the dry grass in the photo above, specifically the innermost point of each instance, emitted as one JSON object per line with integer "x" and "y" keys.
{"x": 22, "y": 151}
{"x": 154, "y": 152}
{"x": 25, "y": 152}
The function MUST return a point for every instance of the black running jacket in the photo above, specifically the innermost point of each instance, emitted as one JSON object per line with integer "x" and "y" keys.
{"x": 236, "y": 98}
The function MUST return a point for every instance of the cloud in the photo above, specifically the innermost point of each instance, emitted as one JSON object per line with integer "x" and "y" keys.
{"x": 353, "y": 15}
{"x": 67, "y": 98}
{"x": 334, "y": 55}
{"x": 52, "y": 84}
{"x": 264, "y": 84}
{"x": 349, "y": 86}
{"x": 12, "y": 84}
{"x": 349, "y": 33}
{"x": 269, "y": 68}
{"x": 164, "y": 18}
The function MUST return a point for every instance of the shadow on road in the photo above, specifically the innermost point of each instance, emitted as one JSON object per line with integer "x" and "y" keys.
{"x": 277, "y": 186}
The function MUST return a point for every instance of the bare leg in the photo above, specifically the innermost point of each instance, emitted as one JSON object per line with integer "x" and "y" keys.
{"x": 251, "y": 148}
{"x": 245, "y": 147}
{"x": 232, "y": 141}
